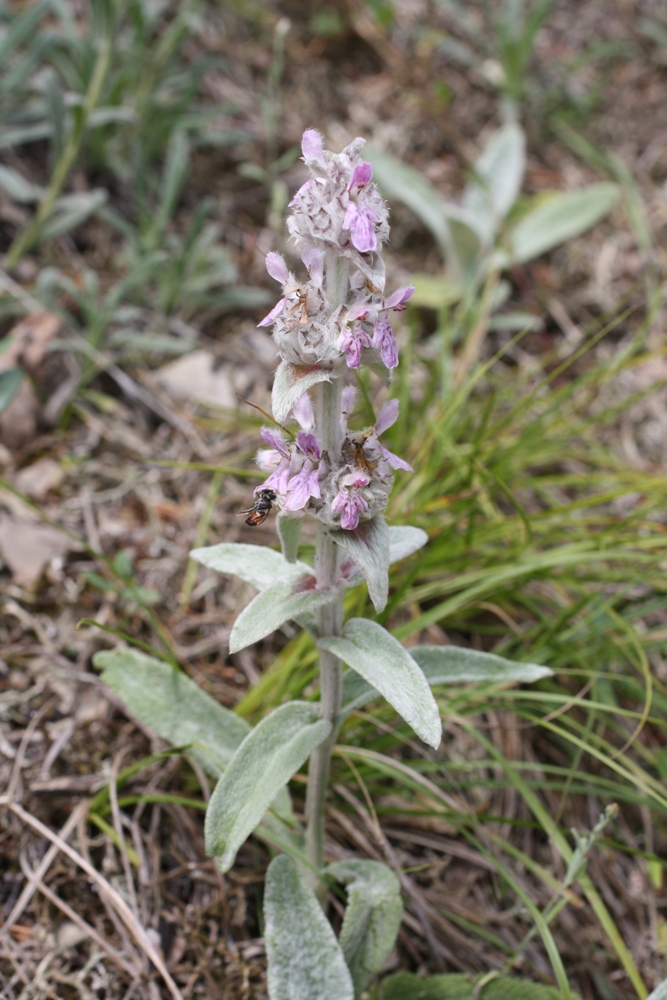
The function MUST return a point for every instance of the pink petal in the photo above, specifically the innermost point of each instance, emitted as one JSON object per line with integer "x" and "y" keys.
{"x": 276, "y": 440}
{"x": 312, "y": 147}
{"x": 274, "y": 314}
{"x": 398, "y": 299}
{"x": 276, "y": 266}
{"x": 303, "y": 412}
{"x": 394, "y": 461}
{"x": 387, "y": 416}
{"x": 361, "y": 175}
{"x": 314, "y": 261}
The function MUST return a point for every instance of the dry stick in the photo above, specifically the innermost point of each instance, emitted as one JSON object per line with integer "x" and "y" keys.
{"x": 37, "y": 884}
{"x": 20, "y": 753}
{"x": 110, "y": 893}
{"x": 115, "y": 812}
{"x": 121, "y": 930}
{"x": 42, "y": 868}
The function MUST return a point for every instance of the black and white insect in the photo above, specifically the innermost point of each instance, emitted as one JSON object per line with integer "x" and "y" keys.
{"x": 261, "y": 508}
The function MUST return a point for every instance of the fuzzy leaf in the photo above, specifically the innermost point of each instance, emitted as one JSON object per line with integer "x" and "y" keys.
{"x": 268, "y": 757}
{"x": 404, "y": 540}
{"x": 10, "y": 383}
{"x": 290, "y": 383}
{"x": 17, "y": 187}
{"x": 279, "y": 603}
{"x": 156, "y": 694}
{"x": 456, "y": 665}
{"x": 305, "y": 960}
{"x": 560, "y": 217}
{"x": 371, "y": 651}
{"x": 289, "y": 530}
{"x": 457, "y": 986}
{"x": 368, "y": 546}
{"x": 447, "y": 665}
{"x": 497, "y": 178}
{"x": 660, "y": 992}
{"x": 256, "y": 564}
{"x": 403, "y": 183}
{"x": 372, "y": 916}
{"x": 70, "y": 210}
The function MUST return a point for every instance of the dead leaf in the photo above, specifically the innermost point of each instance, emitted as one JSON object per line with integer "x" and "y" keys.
{"x": 29, "y": 340}
{"x": 27, "y": 548}
{"x": 18, "y": 423}
{"x": 37, "y": 480}
{"x": 193, "y": 377}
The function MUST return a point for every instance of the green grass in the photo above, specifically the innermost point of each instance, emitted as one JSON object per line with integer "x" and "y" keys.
{"x": 518, "y": 482}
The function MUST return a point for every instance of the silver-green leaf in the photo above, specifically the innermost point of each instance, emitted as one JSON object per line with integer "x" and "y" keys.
{"x": 256, "y": 564}
{"x": 372, "y": 916}
{"x": 268, "y": 757}
{"x": 289, "y": 384}
{"x": 457, "y": 665}
{"x": 496, "y": 179}
{"x": 173, "y": 706}
{"x": 305, "y": 960}
{"x": 283, "y": 601}
{"x": 289, "y": 530}
{"x": 374, "y": 653}
{"x": 404, "y": 540}
{"x": 660, "y": 992}
{"x": 368, "y": 546}
{"x": 560, "y": 217}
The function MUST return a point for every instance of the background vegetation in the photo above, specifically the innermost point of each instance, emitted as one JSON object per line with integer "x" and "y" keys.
{"x": 148, "y": 151}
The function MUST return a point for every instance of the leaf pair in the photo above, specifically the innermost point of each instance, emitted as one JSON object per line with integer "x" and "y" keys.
{"x": 305, "y": 959}
{"x": 176, "y": 709}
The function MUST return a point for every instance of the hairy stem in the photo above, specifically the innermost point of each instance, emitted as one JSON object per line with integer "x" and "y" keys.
{"x": 330, "y": 622}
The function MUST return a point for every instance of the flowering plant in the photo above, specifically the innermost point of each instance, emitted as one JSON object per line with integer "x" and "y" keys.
{"x": 326, "y": 326}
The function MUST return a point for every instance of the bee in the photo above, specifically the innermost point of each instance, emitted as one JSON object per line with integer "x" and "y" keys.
{"x": 354, "y": 454}
{"x": 261, "y": 508}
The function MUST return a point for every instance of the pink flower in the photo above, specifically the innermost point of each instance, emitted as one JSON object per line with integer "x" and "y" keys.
{"x": 351, "y": 342}
{"x": 383, "y": 338}
{"x": 386, "y": 417}
{"x": 360, "y": 218}
{"x": 349, "y": 503}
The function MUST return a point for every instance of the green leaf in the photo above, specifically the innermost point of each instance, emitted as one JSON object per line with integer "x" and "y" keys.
{"x": 456, "y": 665}
{"x": 456, "y": 986}
{"x": 372, "y": 916}
{"x": 256, "y": 564}
{"x": 368, "y": 546}
{"x": 10, "y": 383}
{"x": 281, "y": 602}
{"x": 405, "y": 184}
{"x": 404, "y": 540}
{"x": 175, "y": 173}
{"x": 496, "y": 179}
{"x": 371, "y": 651}
{"x": 305, "y": 960}
{"x": 71, "y": 210}
{"x": 289, "y": 530}
{"x": 434, "y": 291}
{"x": 268, "y": 757}
{"x": 560, "y": 217}
{"x": 173, "y": 706}
{"x": 289, "y": 384}
{"x": 17, "y": 187}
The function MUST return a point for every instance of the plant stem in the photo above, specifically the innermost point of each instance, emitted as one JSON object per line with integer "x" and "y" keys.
{"x": 330, "y": 622}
